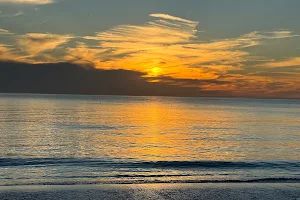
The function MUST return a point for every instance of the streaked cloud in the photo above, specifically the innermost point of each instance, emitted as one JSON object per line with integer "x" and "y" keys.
{"x": 169, "y": 17}
{"x": 5, "y": 32}
{"x": 34, "y": 47}
{"x": 269, "y": 35}
{"x": 162, "y": 31}
{"x": 9, "y": 53}
{"x": 36, "y": 43}
{"x": 27, "y": 1}
{"x": 168, "y": 46}
{"x": 84, "y": 54}
{"x": 5, "y": 52}
{"x": 19, "y": 13}
{"x": 291, "y": 62}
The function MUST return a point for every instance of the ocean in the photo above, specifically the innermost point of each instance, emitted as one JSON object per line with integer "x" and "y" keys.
{"x": 76, "y": 139}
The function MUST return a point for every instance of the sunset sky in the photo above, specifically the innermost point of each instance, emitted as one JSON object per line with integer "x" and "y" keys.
{"x": 235, "y": 47}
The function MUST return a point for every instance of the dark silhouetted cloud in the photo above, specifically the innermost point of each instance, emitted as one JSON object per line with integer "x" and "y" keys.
{"x": 66, "y": 78}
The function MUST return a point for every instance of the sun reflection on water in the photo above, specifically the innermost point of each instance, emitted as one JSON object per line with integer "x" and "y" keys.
{"x": 145, "y": 128}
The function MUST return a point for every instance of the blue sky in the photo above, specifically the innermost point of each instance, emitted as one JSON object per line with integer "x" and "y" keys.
{"x": 220, "y": 18}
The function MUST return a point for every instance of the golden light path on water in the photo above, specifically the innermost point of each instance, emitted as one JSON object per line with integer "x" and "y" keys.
{"x": 69, "y": 139}
{"x": 149, "y": 128}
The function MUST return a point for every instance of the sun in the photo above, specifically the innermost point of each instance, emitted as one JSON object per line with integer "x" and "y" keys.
{"x": 154, "y": 72}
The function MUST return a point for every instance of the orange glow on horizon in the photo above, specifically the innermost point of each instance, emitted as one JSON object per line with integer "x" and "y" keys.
{"x": 170, "y": 49}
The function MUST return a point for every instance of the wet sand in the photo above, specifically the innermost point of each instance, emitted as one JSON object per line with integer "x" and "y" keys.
{"x": 207, "y": 191}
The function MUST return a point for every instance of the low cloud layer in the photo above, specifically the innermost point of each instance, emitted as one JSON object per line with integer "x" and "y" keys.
{"x": 67, "y": 78}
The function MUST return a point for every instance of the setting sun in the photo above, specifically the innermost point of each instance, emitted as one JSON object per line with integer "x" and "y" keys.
{"x": 154, "y": 72}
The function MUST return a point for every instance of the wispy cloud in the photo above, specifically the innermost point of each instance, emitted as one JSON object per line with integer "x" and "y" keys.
{"x": 163, "y": 31}
{"x": 19, "y": 13}
{"x": 5, "y": 52}
{"x": 269, "y": 35}
{"x": 34, "y": 47}
{"x": 5, "y": 32}
{"x": 290, "y": 62}
{"x": 36, "y": 43}
{"x": 169, "y": 17}
{"x": 8, "y": 53}
{"x": 27, "y": 1}
{"x": 84, "y": 54}
{"x": 168, "y": 46}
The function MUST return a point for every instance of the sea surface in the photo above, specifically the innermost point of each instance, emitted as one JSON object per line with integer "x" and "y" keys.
{"x": 73, "y": 139}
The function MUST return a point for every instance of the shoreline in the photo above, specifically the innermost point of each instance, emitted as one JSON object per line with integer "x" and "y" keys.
{"x": 173, "y": 191}
{"x": 182, "y": 182}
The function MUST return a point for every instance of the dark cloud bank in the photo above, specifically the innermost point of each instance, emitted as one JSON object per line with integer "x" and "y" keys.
{"x": 66, "y": 78}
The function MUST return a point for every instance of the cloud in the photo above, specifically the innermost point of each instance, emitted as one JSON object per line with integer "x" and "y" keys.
{"x": 27, "y": 1}
{"x": 284, "y": 63}
{"x": 256, "y": 35}
{"x": 5, "y": 32}
{"x": 84, "y": 55}
{"x": 167, "y": 50}
{"x": 19, "y": 13}
{"x": 169, "y": 17}
{"x": 34, "y": 47}
{"x": 5, "y": 52}
{"x": 8, "y": 53}
{"x": 167, "y": 45}
{"x": 163, "y": 31}
{"x": 36, "y": 43}
{"x": 67, "y": 78}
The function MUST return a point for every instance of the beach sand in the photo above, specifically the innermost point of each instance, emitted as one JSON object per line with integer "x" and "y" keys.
{"x": 272, "y": 191}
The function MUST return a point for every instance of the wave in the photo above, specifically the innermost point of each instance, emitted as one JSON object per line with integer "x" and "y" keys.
{"x": 82, "y": 171}
{"x": 147, "y": 181}
{"x": 42, "y": 162}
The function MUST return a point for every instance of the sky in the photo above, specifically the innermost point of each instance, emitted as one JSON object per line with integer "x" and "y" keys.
{"x": 233, "y": 48}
